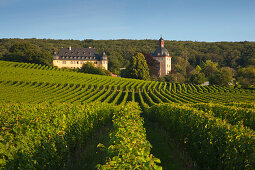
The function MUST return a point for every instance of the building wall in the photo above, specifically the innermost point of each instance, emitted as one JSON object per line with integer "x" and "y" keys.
{"x": 79, "y": 63}
{"x": 104, "y": 64}
{"x": 165, "y": 64}
{"x": 168, "y": 64}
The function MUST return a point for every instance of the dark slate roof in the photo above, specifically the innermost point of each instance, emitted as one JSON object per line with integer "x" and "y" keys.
{"x": 78, "y": 54}
{"x": 161, "y": 51}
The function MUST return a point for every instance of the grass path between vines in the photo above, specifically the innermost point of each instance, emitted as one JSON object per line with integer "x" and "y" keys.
{"x": 88, "y": 156}
{"x": 164, "y": 148}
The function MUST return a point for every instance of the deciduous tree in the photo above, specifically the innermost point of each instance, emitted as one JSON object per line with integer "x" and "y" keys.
{"x": 28, "y": 53}
{"x": 221, "y": 77}
{"x": 246, "y": 76}
{"x": 90, "y": 68}
{"x": 197, "y": 78}
{"x": 137, "y": 68}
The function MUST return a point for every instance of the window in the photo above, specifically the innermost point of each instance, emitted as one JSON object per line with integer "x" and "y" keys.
{"x": 63, "y": 62}
{"x": 71, "y": 62}
{"x": 77, "y": 62}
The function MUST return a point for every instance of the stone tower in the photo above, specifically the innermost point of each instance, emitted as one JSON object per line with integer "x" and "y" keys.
{"x": 162, "y": 55}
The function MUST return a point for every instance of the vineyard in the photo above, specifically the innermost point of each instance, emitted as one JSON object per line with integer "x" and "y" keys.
{"x": 47, "y": 112}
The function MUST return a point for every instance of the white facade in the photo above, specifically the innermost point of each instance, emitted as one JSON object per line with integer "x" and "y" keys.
{"x": 76, "y": 57}
{"x": 165, "y": 64}
{"x": 78, "y": 63}
{"x": 162, "y": 56}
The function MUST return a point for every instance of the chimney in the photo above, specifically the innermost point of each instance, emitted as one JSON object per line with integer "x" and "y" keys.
{"x": 70, "y": 48}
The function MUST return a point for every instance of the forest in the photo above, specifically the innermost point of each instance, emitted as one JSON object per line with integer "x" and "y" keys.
{"x": 186, "y": 55}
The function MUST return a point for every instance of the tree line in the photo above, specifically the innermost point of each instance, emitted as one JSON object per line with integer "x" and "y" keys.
{"x": 239, "y": 57}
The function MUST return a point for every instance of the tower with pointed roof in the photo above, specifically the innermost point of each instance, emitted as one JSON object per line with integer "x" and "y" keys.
{"x": 161, "y": 54}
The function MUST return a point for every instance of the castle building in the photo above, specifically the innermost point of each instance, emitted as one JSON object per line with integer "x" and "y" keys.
{"x": 76, "y": 57}
{"x": 162, "y": 56}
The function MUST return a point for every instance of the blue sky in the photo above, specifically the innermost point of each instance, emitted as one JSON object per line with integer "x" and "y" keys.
{"x": 196, "y": 20}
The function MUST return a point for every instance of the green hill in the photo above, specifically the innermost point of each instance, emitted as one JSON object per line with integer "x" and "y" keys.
{"x": 49, "y": 115}
{"x": 227, "y": 54}
{"x": 32, "y": 83}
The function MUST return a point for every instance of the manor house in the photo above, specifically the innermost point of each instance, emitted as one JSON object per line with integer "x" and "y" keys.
{"x": 162, "y": 56}
{"x": 76, "y": 57}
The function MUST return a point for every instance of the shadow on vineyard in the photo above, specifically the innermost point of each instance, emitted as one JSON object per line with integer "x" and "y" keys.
{"x": 167, "y": 150}
{"x": 89, "y": 155}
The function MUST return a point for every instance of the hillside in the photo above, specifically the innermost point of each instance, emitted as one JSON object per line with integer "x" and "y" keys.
{"x": 35, "y": 83}
{"x": 52, "y": 118}
{"x": 227, "y": 54}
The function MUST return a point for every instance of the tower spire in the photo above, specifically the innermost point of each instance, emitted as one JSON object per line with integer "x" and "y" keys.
{"x": 161, "y": 42}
